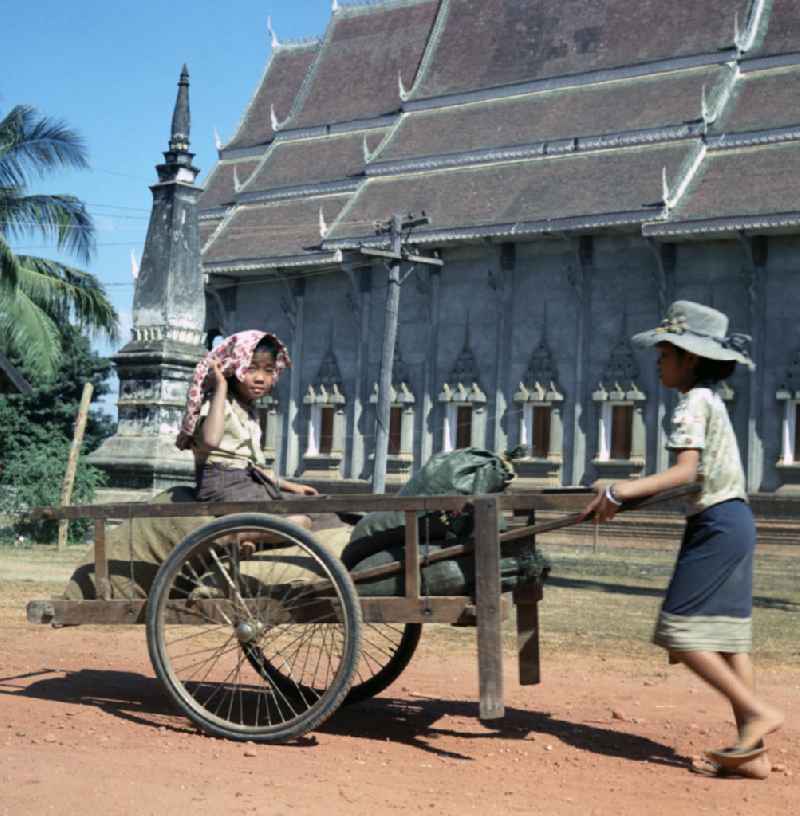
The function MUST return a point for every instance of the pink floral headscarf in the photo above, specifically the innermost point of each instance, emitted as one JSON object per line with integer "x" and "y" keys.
{"x": 234, "y": 353}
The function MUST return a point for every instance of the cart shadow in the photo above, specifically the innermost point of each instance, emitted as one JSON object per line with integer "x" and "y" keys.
{"x": 126, "y": 695}
{"x": 143, "y": 701}
{"x": 415, "y": 724}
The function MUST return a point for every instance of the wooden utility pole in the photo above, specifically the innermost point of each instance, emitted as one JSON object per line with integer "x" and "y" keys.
{"x": 72, "y": 462}
{"x": 396, "y": 257}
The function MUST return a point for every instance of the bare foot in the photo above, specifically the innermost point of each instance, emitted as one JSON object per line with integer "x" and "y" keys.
{"x": 754, "y": 730}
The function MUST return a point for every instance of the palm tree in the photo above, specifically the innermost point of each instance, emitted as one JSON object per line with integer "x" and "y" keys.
{"x": 37, "y": 295}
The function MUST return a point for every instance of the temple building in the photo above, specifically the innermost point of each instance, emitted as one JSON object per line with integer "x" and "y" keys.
{"x": 581, "y": 164}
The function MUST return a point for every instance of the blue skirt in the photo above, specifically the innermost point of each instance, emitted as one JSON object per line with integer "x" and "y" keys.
{"x": 709, "y": 601}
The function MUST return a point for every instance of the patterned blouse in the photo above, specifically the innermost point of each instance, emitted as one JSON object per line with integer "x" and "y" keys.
{"x": 700, "y": 421}
{"x": 241, "y": 437}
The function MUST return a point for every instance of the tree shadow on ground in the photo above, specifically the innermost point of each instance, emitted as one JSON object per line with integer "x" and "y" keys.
{"x": 142, "y": 700}
{"x": 760, "y": 601}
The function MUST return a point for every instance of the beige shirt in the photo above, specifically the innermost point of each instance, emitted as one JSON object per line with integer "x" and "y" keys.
{"x": 700, "y": 421}
{"x": 241, "y": 437}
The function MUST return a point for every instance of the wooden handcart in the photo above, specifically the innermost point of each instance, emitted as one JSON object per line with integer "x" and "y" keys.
{"x": 259, "y": 633}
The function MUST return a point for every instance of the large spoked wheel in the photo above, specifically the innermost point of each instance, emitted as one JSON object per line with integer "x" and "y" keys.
{"x": 254, "y": 629}
{"x": 386, "y": 650}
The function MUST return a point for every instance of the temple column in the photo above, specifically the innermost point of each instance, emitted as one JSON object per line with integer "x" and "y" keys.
{"x": 581, "y": 281}
{"x": 293, "y": 409}
{"x": 664, "y": 256}
{"x": 426, "y": 422}
{"x": 502, "y": 386}
{"x": 756, "y": 252}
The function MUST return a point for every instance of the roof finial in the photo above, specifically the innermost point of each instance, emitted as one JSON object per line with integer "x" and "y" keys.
{"x": 217, "y": 140}
{"x": 323, "y": 227}
{"x": 275, "y": 42}
{"x": 334, "y": 6}
{"x": 237, "y": 186}
{"x": 665, "y": 196}
{"x": 401, "y": 88}
{"x": 181, "y": 119}
{"x": 273, "y": 119}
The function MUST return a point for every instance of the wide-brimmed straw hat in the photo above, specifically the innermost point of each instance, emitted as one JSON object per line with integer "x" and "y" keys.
{"x": 700, "y": 330}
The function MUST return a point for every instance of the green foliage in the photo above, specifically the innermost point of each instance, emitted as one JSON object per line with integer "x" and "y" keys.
{"x": 33, "y": 478}
{"x": 36, "y": 433}
{"x": 38, "y": 295}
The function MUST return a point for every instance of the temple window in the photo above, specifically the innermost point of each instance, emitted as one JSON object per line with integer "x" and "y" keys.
{"x": 270, "y": 422}
{"x": 464, "y": 404}
{"x": 326, "y": 420}
{"x": 789, "y": 394}
{"x": 540, "y": 425}
{"x": 620, "y": 429}
{"x": 401, "y": 420}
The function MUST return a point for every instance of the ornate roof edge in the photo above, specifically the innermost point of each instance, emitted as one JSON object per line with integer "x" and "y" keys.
{"x": 212, "y": 214}
{"x": 229, "y": 213}
{"x": 507, "y": 230}
{"x": 265, "y": 156}
{"x": 686, "y": 174}
{"x": 640, "y": 71}
{"x": 753, "y": 138}
{"x": 753, "y": 27}
{"x": 713, "y": 105}
{"x": 217, "y": 166}
{"x": 265, "y": 73}
{"x": 732, "y": 224}
{"x": 431, "y": 47}
{"x": 549, "y": 149}
{"x": 790, "y": 60}
{"x": 330, "y": 258}
{"x": 296, "y": 134}
{"x": 212, "y": 236}
{"x": 324, "y": 188}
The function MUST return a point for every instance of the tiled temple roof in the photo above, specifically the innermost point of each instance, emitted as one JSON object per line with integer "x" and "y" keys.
{"x": 489, "y": 43}
{"x": 512, "y": 118}
{"x": 764, "y": 100}
{"x": 648, "y": 103}
{"x": 749, "y": 188}
{"x": 258, "y": 234}
{"x": 364, "y": 51}
{"x": 315, "y": 160}
{"x": 282, "y": 79}
{"x": 220, "y": 188}
{"x": 783, "y": 30}
{"x": 620, "y": 186}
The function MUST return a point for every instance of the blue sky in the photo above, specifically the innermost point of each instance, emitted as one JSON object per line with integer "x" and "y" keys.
{"x": 110, "y": 71}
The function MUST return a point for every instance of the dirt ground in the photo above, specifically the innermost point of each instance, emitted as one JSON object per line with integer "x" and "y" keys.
{"x": 86, "y": 728}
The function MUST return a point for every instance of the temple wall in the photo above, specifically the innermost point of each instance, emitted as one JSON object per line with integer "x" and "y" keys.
{"x": 502, "y": 305}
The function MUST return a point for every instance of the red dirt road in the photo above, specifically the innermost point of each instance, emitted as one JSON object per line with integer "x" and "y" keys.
{"x": 86, "y": 729}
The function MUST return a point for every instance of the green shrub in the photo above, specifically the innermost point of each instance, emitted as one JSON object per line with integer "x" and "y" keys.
{"x": 33, "y": 478}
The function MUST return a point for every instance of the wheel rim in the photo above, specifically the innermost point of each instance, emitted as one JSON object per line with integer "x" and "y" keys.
{"x": 278, "y": 605}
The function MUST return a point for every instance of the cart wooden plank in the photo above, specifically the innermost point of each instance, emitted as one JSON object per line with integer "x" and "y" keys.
{"x": 456, "y": 609}
{"x": 566, "y": 502}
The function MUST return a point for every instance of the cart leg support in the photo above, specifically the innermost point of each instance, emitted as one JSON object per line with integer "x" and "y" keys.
{"x": 487, "y": 601}
{"x": 526, "y": 599}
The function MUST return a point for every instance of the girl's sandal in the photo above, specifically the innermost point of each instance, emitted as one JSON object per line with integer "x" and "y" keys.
{"x": 732, "y": 758}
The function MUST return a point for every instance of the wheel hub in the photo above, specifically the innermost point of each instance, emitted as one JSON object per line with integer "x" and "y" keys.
{"x": 248, "y": 631}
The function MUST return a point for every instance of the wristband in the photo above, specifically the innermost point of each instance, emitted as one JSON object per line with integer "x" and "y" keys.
{"x": 611, "y": 496}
